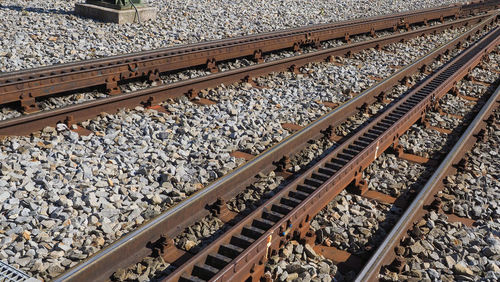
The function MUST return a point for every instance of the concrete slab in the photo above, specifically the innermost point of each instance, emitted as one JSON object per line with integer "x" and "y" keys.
{"x": 115, "y": 16}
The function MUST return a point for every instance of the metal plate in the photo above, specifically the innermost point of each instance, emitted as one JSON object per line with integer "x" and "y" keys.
{"x": 9, "y": 273}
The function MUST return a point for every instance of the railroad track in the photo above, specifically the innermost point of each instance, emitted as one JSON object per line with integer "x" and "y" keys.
{"x": 230, "y": 185}
{"x": 118, "y": 255}
{"x": 394, "y": 253}
{"x": 150, "y": 97}
{"x": 390, "y": 256}
{"x": 241, "y": 252}
{"x": 26, "y": 86}
{"x": 346, "y": 233}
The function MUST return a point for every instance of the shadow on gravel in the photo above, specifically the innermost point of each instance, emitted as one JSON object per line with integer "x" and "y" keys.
{"x": 36, "y": 10}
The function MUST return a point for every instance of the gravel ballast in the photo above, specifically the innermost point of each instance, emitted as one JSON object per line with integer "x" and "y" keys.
{"x": 475, "y": 191}
{"x": 65, "y": 196}
{"x": 39, "y": 33}
{"x": 450, "y": 251}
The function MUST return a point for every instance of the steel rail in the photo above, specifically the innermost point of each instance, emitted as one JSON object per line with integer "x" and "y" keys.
{"x": 26, "y": 124}
{"x": 385, "y": 252}
{"x": 241, "y": 252}
{"x": 132, "y": 247}
{"x": 27, "y": 85}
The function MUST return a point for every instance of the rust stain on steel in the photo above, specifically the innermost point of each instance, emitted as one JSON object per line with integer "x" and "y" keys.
{"x": 291, "y": 213}
{"x": 443, "y": 113}
{"x": 222, "y": 212}
{"x": 158, "y": 108}
{"x": 203, "y": 101}
{"x": 468, "y": 98}
{"x": 454, "y": 218}
{"x": 416, "y": 159}
{"x": 379, "y": 197}
{"x": 376, "y": 78}
{"x": 173, "y": 255}
{"x": 330, "y": 104}
{"x": 411, "y": 157}
{"x": 111, "y": 71}
{"x": 291, "y": 126}
{"x": 132, "y": 247}
{"x": 345, "y": 259}
{"x": 82, "y": 131}
{"x": 439, "y": 129}
{"x": 242, "y": 155}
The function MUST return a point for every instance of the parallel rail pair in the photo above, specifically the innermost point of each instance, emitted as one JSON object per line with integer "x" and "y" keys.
{"x": 25, "y": 86}
{"x": 385, "y": 257}
{"x": 148, "y": 97}
{"x": 132, "y": 247}
{"x": 240, "y": 253}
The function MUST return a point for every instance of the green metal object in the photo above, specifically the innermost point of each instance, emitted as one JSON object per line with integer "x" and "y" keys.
{"x": 116, "y": 4}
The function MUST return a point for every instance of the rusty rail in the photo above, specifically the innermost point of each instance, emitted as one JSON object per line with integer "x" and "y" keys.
{"x": 240, "y": 253}
{"x": 84, "y": 111}
{"x": 133, "y": 246}
{"x": 385, "y": 255}
{"x": 25, "y": 86}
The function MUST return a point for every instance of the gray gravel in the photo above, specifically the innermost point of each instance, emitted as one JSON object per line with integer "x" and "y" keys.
{"x": 451, "y": 252}
{"x": 268, "y": 185}
{"x": 350, "y": 223}
{"x": 356, "y": 75}
{"x": 354, "y": 224}
{"x": 65, "y": 196}
{"x": 91, "y": 190}
{"x": 428, "y": 142}
{"x": 475, "y": 192}
{"x": 393, "y": 176}
{"x": 443, "y": 121}
{"x": 7, "y": 112}
{"x": 469, "y": 88}
{"x": 149, "y": 269}
{"x": 53, "y": 102}
{"x": 200, "y": 234}
{"x": 66, "y": 100}
{"x": 422, "y": 142}
{"x": 455, "y": 105}
{"x": 206, "y": 230}
{"x": 299, "y": 262}
{"x": 37, "y": 33}
{"x": 487, "y": 75}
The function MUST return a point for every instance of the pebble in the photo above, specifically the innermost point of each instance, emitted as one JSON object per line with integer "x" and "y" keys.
{"x": 292, "y": 265}
{"x": 455, "y": 259}
{"x": 200, "y": 234}
{"x": 423, "y": 142}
